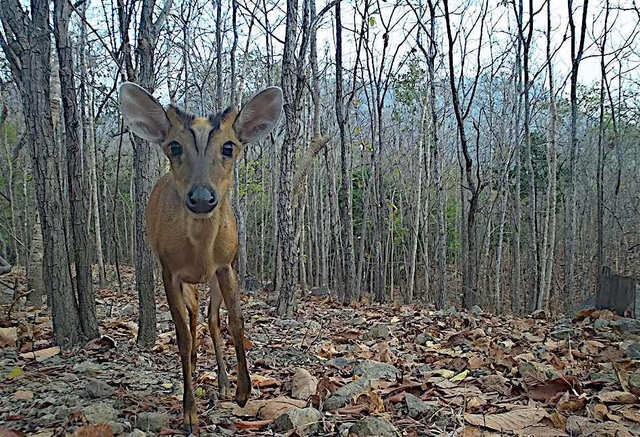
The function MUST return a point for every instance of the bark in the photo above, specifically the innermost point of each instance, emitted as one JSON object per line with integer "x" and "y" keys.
{"x": 218, "y": 55}
{"x": 577, "y": 51}
{"x": 77, "y": 180}
{"x": 27, "y": 47}
{"x": 345, "y": 195}
{"x": 292, "y": 92}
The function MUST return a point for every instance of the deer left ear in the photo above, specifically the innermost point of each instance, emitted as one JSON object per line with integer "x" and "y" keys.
{"x": 259, "y": 115}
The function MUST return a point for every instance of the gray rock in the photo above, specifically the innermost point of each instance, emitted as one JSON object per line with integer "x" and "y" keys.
{"x": 164, "y": 316}
{"x": 150, "y": 421}
{"x": 633, "y": 351}
{"x": 137, "y": 433}
{"x": 600, "y": 323}
{"x": 303, "y": 385}
{"x": 99, "y": 389}
{"x": 340, "y": 362}
{"x": 305, "y": 421}
{"x": 62, "y": 413}
{"x": 100, "y": 413}
{"x": 378, "y": 331}
{"x": 634, "y": 379}
{"x": 127, "y": 310}
{"x": 562, "y": 333}
{"x": 539, "y": 315}
{"x": 477, "y": 310}
{"x": 376, "y": 370}
{"x": 344, "y": 394}
{"x": 312, "y": 325}
{"x": 452, "y": 312}
{"x": 289, "y": 323}
{"x": 373, "y": 426}
{"x": 627, "y": 326}
{"x": 423, "y": 338}
{"x": 357, "y": 321}
{"x": 416, "y": 407}
{"x": 343, "y": 428}
{"x": 117, "y": 427}
{"x": 87, "y": 367}
{"x": 604, "y": 377}
{"x": 423, "y": 370}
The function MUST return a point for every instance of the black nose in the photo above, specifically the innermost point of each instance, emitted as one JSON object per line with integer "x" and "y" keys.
{"x": 201, "y": 200}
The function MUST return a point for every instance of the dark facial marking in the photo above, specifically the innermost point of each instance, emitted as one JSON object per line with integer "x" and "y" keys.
{"x": 216, "y": 119}
{"x": 185, "y": 118}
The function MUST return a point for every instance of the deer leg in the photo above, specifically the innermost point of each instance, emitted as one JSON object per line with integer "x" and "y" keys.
{"x": 173, "y": 288}
{"x": 214, "y": 327}
{"x": 190, "y": 294}
{"x": 229, "y": 288}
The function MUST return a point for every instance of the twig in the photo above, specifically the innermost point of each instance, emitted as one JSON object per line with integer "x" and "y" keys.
{"x": 23, "y": 294}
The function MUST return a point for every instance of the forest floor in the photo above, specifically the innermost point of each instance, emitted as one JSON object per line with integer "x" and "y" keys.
{"x": 362, "y": 370}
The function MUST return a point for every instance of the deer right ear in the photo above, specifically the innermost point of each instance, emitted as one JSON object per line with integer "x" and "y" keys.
{"x": 142, "y": 113}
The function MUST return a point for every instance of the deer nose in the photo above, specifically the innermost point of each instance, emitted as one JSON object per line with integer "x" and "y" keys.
{"x": 201, "y": 200}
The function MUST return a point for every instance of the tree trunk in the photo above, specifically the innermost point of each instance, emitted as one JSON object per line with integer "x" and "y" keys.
{"x": 28, "y": 48}
{"x": 78, "y": 187}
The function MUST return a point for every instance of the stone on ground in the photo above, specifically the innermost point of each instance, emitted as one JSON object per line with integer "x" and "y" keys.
{"x": 304, "y": 421}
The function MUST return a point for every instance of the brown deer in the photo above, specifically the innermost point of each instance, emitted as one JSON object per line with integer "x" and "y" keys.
{"x": 190, "y": 223}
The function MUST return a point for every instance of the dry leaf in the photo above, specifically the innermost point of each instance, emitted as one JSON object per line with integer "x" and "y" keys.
{"x": 23, "y": 395}
{"x": 571, "y": 403}
{"x": 252, "y": 424}
{"x": 268, "y": 408}
{"x": 8, "y": 336}
{"x": 42, "y": 354}
{"x": 264, "y": 381}
{"x": 617, "y": 397}
{"x": 99, "y": 430}
{"x": 632, "y": 415}
{"x": 600, "y": 411}
{"x": 509, "y": 421}
{"x": 541, "y": 431}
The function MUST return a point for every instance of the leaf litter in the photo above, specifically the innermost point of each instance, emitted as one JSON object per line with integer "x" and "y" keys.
{"x": 426, "y": 372}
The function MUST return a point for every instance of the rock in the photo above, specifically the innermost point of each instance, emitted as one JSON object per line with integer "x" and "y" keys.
{"x": 423, "y": 370}
{"x": 340, "y": 362}
{"x": 127, "y": 310}
{"x": 87, "y": 367}
{"x": 304, "y": 421}
{"x": 373, "y": 426}
{"x": 164, "y": 316}
{"x": 562, "y": 333}
{"x": 627, "y": 326}
{"x": 343, "y": 428}
{"x": 304, "y": 384}
{"x": 371, "y": 370}
{"x": 150, "y": 421}
{"x": 577, "y": 425}
{"x": 344, "y": 394}
{"x": 358, "y": 321}
{"x": 99, "y": 389}
{"x": 100, "y": 413}
{"x": 477, "y": 310}
{"x": 378, "y": 331}
{"x": 423, "y": 338}
{"x": 137, "y": 433}
{"x": 321, "y": 291}
{"x": 606, "y": 377}
{"x": 416, "y": 407}
{"x": 117, "y": 427}
{"x": 313, "y": 326}
{"x": 601, "y": 323}
{"x": 634, "y": 379}
{"x": 452, "y": 312}
{"x": 289, "y": 323}
{"x": 539, "y": 315}
{"x": 633, "y": 351}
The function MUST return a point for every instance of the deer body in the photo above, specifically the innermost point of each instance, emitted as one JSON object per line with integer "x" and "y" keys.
{"x": 190, "y": 224}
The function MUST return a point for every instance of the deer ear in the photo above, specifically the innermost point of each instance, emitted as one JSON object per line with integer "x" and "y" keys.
{"x": 142, "y": 113}
{"x": 259, "y": 115}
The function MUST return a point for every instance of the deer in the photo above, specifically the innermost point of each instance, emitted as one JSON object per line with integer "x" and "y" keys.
{"x": 190, "y": 224}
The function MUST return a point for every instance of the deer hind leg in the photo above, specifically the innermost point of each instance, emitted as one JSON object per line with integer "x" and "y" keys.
{"x": 190, "y": 295}
{"x": 214, "y": 327}
{"x": 177, "y": 305}
{"x": 229, "y": 288}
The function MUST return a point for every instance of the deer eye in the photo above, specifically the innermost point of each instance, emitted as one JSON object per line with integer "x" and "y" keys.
{"x": 227, "y": 149}
{"x": 176, "y": 148}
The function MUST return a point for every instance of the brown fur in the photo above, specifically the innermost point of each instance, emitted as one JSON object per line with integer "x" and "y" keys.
{"x": 199, "y": 249}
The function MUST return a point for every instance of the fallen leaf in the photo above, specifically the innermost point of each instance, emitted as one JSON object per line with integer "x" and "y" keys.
{"x": 23, "y": 395}
{"x": 540, "y": 431}
{"x": 558, "y": 420}
{"x": 4, "y": 432}
{"x": 571, "y": 403}
{"x": 17, "y": 371}
{"x": 42, "y": 354}
{"x": 460, "y": 376}
{"x": 600, "y": 411}
{"x": 264, "y": 381}
{"x": 617, "y": 397}
{"x": 252, "y": 424}
{"x": 268, "y": 408}
{"x": 8, "y": 336}
{"x": 509, "y": 421}
{"x": 632, "y": 415}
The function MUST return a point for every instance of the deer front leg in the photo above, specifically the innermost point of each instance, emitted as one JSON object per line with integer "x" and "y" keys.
{"x": 224, "y": 387}
{"x": 173, "y": 288}
{"x": 229, "y": 288}
{"x": 190, "y": 296}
